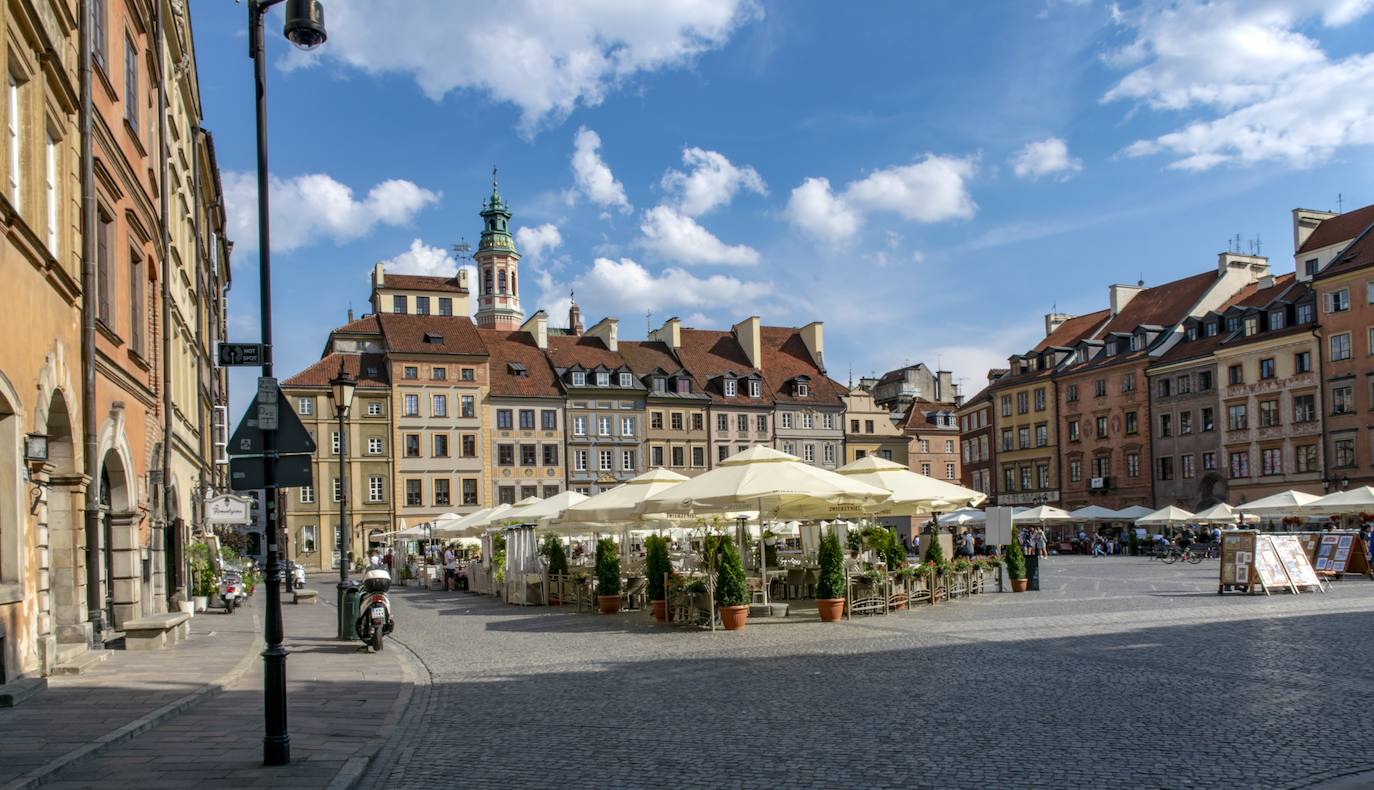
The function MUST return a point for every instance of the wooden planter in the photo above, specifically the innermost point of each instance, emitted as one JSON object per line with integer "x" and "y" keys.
{"x": 734, "y": 618}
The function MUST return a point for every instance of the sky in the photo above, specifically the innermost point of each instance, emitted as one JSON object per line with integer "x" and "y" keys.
{"x": 928, "y": 179}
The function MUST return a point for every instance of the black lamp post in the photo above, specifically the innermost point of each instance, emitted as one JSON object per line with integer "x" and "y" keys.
{"x": 304, "y": 28}
{"x": 341, "y": 389}
{"x": 1326, "y": 484}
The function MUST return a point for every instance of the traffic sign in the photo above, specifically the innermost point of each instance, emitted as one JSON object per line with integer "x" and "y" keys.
{"x": 267, "y": 417}
{"x": 290, "y": 435}
{"x": 250, "y": 471}
{"x": 267, "y": 389}
{"x": 241, "y": 354}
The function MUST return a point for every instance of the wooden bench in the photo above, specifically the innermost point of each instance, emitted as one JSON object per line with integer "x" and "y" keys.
{"x": 156, "y": 631}
{"x": 305, "y": 597}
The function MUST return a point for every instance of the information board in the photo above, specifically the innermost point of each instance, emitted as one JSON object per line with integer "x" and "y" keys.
{"x": 1237, "y": 560}
{"x": 1336, "y": 552}
{"x": 1265, "y": 562}
{"x": 1295, "y": 563}
{"x": 1269, "y": 568}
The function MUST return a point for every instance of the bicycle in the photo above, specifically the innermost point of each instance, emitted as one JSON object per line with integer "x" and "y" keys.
{"x": 1175, "y": 553}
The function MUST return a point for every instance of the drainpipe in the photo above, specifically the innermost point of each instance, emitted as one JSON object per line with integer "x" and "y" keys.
{"x": 168, "y": 429}
{"x": 200, "y": 334}
{"x": 88, "y": 308}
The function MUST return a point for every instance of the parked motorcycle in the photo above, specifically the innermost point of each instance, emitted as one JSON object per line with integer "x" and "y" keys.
{"x": 374, "y": 609}
{"x": 231, "y": 590}
{"x": 297, "y": 575}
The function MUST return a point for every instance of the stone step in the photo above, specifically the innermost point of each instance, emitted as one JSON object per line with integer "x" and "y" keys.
{"x": 80, "y": 663}
{"x": 17, "y": 691}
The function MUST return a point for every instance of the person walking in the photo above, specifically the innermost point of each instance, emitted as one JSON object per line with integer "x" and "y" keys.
{"x": 1040, "y": 543}
{"x": 450, "y": 569}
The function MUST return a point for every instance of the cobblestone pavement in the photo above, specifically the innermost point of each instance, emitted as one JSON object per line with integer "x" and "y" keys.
{"x": 1120, "y": 672}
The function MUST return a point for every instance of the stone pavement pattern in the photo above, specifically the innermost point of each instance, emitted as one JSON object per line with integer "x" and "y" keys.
{"x": 1121, "y": 672}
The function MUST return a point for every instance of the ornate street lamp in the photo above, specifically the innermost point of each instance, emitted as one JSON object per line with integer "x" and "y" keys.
{"x": 341, "y": 389}
{"x": 305, "y": 28}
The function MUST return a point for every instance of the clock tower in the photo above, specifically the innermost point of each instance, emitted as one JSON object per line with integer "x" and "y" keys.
{"x": 498, "y": 301}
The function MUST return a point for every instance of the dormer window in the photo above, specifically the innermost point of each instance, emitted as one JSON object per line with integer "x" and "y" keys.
{"x": 1276, "y": 320}
{"x": 684, "y": 385}
{"x": 801, "y": 389}
{"x": 603, "y": 379}
{"x": 517, "y": 369}
{"x": 579, "y": 379}
{"x": 434, "y": 338}
{"x": 1232, "y": 323}
{"x": 1111, "y": 348}
{"x": 626, "y": 380}
{"x": 729, "y": 388}
{"x": 1137, "y": 342}
{"x": 1251, "y": 326}
{"x": 1211, "y": 328}
{"x": 660, "y": 384}
{"x": 1191, "y": 332}
{"x": 755, "y": 389}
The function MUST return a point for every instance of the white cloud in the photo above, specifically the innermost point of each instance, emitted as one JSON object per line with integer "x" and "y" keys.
{"x": 592, "y": 177}
{"x": 624, "y": 286}
{"x": 1043, "y": 158}
{"x": 711, "y": 182}
{"x": 309, "y": 208}
{"x": 1278, "y": 95}
{"x": 536, "y": 241}
{"x": 679, "y": 238}
{"x": 932, "y": 190}
{"x": 544, "y": 58}
{"x": 423, "y": 259}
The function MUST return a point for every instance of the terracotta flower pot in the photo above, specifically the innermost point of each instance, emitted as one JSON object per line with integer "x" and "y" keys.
{"x": 900, "y": 605}
{"x": 608, "y": 604}
{"x": 660, "y": 610}
{"x": 1019, "y": 585}
{"x": 831, "y": 609}
{"x": 734, "y": 618}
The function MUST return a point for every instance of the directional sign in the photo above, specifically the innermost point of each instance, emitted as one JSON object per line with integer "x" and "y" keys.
{"x": 289, "y": 435}
{"x": 249, "y": 472}
{"x": 244, "y": 354}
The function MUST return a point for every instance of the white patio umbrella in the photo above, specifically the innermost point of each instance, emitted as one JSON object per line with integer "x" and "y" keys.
{"x": 1165, "y": 517}
{"x": 1284, "y": 503}
{"x": 1041, "y": 514}
{"x": 466, "y": 525}
{"x": 622, "y": 502}
{"x": 963, "y": 517}
{"x": 1356, "y": 500}
{"x": 1133, "y": 512}
{"x": 1094, "y": 513}
{"x": 515, "y": 513}
{"x": 778, "y": 484}
{"x": 544, "y": 509}
{"x": 1222, "y": 513}
{"x": 911, "y": 492}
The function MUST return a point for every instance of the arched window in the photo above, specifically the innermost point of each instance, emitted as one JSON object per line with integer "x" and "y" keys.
{"x": 513, "y": 289}
{"x": 501, "y": 281}
{"x": 487, "y": 289}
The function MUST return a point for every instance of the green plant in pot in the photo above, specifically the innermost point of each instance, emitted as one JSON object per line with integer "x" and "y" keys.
{"x": 1016, "y": 566}
{"x": 831, "y": 586}
{"x": 607, "y": 576}
{"x": 657, "y": 566}
{"x": 894, "y": 553}
{"x": 935, "y": 553}
{"x": 202, "y": 575}
{"x": 732, "y": 594}
{"x": 554, "y": 554}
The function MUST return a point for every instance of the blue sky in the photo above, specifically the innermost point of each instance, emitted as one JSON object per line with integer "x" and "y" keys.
{"x": 928, "y": 179}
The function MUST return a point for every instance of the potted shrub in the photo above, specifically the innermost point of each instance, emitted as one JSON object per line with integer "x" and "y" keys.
{"x": 1016, "y": 566}
{"x": 556, "y": 561}
{"x": 657, "y": 566}
{"x": 1133, "y": 543}
{"x": 830, "y": 587}
{"x": 202, "y": 576}
{"x": 894, "y": 554}
{"x": 732, "y": 596}
{"x": 607, "y": 576}
{"x": 935, "y": 553}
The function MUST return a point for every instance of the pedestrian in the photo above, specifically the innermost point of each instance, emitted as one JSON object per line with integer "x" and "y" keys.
{"x": 375, "y": 561}
{"x": 450, "y": 569}
{"x": 1099, "y": 547}
{"x": 966, "y": 544}
{"x": 388, "y": 560}
{"x": 1041, "y": 543}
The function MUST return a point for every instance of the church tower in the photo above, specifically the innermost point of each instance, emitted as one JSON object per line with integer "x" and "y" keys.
{"x": 498, "y": 302}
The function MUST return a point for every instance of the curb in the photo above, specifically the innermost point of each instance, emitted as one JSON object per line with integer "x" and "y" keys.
{"x": 43, "y": 773}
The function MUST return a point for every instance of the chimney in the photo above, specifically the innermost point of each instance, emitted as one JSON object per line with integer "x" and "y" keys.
{"x": 1258, "y": 265}
{"x": 606, "y": 329}
{"x": 1053, "y": 321}
{"x": 670, "y": 334}
{"x": 378, "y": 276}
{"x": 996, "y": 373}
{"x": 813, "y": 335}
{"x": 1121, "y": 295}
{"x": 463, "y": 277}
{"x": 1306, "y": 220}
{"x": 538, "y": 327}
{"x": 1266, "y": 282}
{"x": 944, "y": 386}
{"x": 750, "y": 339}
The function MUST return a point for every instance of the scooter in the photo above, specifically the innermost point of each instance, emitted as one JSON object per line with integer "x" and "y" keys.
{"x": 297, "y": 575}
{"x": 231, "y": 590}
{"x": 374, "y": 609}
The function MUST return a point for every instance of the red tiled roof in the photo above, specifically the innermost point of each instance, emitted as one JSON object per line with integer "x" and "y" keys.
{"x": 1204, "y": 345}
{"x": 367, "y": 324}
{"x": 368, "y": 369}
{"x": 1339, "y": 228}
{"x": 710, "y": 353}
{"x": 584, "y": 350}
{"x": 518, "y": 347}
{"x": 420, "y": 282}
{"x": 1162, "y": 305}
{"x": 916, "y": 416}
{"x": 1067, "y": 334}
{"x": 1358, "y": 255}
{"x": 785, "y": 357}
{"x": 644, "y": 356}
{"x": 899, "y": 374}
{"x": 406, "y": 334}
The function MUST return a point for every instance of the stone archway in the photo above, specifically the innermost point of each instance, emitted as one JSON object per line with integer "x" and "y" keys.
{"x": 121, "y": 561}
{"x": 62, "y": 521}
{"x": 167, "y": 551}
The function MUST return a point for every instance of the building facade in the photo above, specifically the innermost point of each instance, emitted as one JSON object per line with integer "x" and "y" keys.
{"x": 416, "y": 294}
{"x": 809, "y": 405}
{"x": 1345, "y": 302}
{"x": 977, "y": 444}
{"x": 676, "y": 436}
{"x": 1192, "y": 404}
{"x": 740, "y": 414}
{"x": 896, "y": 389}
{"x": 869, "y": 429}
{"x": 932, "y": 434}
{"x": 527, "y": 457}
{"x": 605, "y": 408}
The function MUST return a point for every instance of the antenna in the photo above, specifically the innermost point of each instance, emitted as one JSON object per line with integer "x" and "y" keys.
{"x": 648, "y": 322}
{"x": 462, "y": 249}
{"x": 1340, "y": 203}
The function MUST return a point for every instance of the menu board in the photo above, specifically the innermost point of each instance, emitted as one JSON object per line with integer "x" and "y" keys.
{"x": 1295, "y": 563}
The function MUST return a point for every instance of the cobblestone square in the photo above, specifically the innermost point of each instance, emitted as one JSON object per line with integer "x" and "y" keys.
{"x": 1120, "y": 672}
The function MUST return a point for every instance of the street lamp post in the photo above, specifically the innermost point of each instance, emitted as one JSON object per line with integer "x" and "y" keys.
{"x": 341, "y": 393}
{"x": 304, "y": 28}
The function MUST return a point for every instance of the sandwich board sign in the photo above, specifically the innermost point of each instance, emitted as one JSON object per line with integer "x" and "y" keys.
{"x": 1264, "y": 562}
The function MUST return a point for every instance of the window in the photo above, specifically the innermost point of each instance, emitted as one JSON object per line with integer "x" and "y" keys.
{"x": 1042, "y": 438}
{"x": 438, "y": 374}
{"x": 660, "y": 384}
{"x": 603, "y": 426}
{"x": 307, "y": 495}
{"x": 374, "y": 489}
{"x": 413, "y": 493}
{"x": 699, "y": 456}
{"x": 1210, "y": 329}
{"x": 1343, "y": 400}
{"x": 1269, "y": 413}
{"x": 1306, "y": 456}
{"x": 579, "y": 460}
{"x": 1309, "y": 266}
{"x": 1022, "y": 403}
{"x": 868, "y": 426}
{"x": 655, "y": 420}
{"x": 729, "y": 388}
{"x": 550, "y": 455}
{"x": 439, "y": 406}
{"x": 924, "y": 444}
{"x": 441, "y": 491}
{"x": 103, "y": 267}
{"x": 445, "y": 305}
{"x": 1132, "y": 422}
{"x": 786, "y": 418}
{"x": 1236, "y": 418}
{"x": 722, "y": 423}
{"x": 626, "y": 380}
{"x": 527, "y": 419}
{"x": 1267, "y": 369}
{"x": 1023, "y": 437}
{"x": 1100, "y": 387}
{"x": 131, "y": 94}
{"x": 1208, "y": 419}
{"x": 1133, "y": 464}
{"x": 410, "y": 372}
{"x": 1006, "y": 438}
{"x": 1040, "y": 399}
{"x": 603, "y": 379}
{"x": 742, "y": 423}
{"x": 467, "y": 406}
{"x": 1276, "y": 320}
{"x": 338, "y": 490}
{"x": 1302, "y": 361}
{"x": 925, "y": 467}
{"x": 550, "y": 490}
{"x": 305, "y": 406}
{"x": 422, "y": 305}
{"x": 467, "y": 444}
{"x": 505, "y": 495}
{"x": 548, "y": 419}
{"x": 627, "y": 426}
{"x": 949, "y": 443}
{"x": 803, "y": 389}
{"x": 1075, "y": 469}
{"x": 1166, "y": 425}
{"x": 579, "y": 379}
{"x": 1240, "y": 464}
{"x": 1025, "y": 478}
{"x": 1164, "y": 388}
{"x": 50, "y": 189}
{"x": 756, "y": 389}
{"x": 679, "y": 456}
{"x": 1128, "y": 382}
{"x": 505, "y": 455}
{"x": 1235, "y": 374}
{"x": 605, "y": 458}
{"x": 98, "y": 33}
{"x": 949, "y": 474}
{"x": 505, "y": 419}
{"x": 808, "y": 420}
{"x": 1303, "y": 314}
{"x": 1009, "y": 478}
{"x": 1071, "y": 394}
{"x": 440, "y": 445}
{"x": 656, "y": 456}
{"x": 1186, "y": 467}
{"x": 579, "y": 426}
{"x": 1183, "y": 385}
{"x": 1185, "y": 423}
{"x": 137, "y": 300}
{"x": 1204, "y": 380}
{"x": 374, "y": 445}
{"x": 374, "y": 408}
{"x": 333, "y": 442}
{"x": 809, "y": 453}
{"x": 1344, "y": 452}
{"x": 1209, "y": 462}
{"x": 1271, "y": 461}
{"x": 762, "y": 423}
{"x": 1338, "y": 301}
{"x": 675, "y": 421}
{"x": 1073, "y": 430}
{"x": 1166, "y": 468}
{"x": 529, "y": 455}
{"x": 1006, "y": 405}
{"x": 412, "y": 445}
{"x": 1304, "y": 408}
{"x": 723, "y": 452}
{"x": 1101, "y": 427}
{"x": 398, "y": 304}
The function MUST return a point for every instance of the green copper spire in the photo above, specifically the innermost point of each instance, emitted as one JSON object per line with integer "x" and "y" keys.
{"x": 496, "y": 221}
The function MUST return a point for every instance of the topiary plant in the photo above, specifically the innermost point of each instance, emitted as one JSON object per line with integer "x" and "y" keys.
{"x": 656, "y": 565}
{"x": 202, "y": 571}
{"x": 831, "y": 583}
{"x": 1133, "y": 543}
{"x": 935, "y": 553}
{"x": 607, "y": 568}
{"x": 1016, "y": 560}
{"x": 554, "y": 554}
{"x": 730, "y": 586}
{"x": 894, "y": 553}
